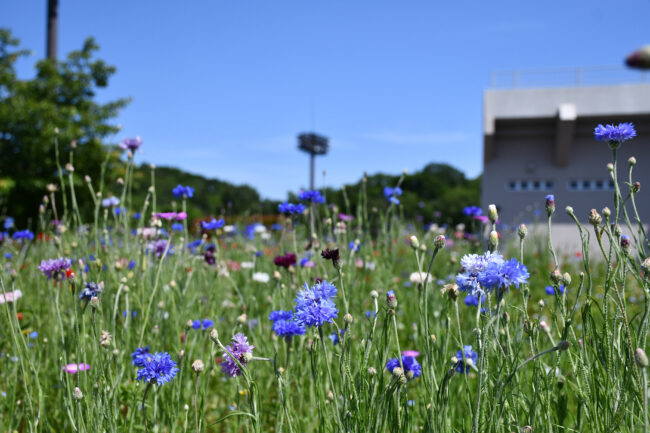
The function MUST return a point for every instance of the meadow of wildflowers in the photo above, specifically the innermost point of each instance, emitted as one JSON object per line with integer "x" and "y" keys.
{"x": 150, "y": 319}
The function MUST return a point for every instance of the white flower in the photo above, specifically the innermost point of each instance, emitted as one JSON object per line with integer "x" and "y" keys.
{"x": 261, "y": 277}
{"x": 228, "y": 229}
{"x": 260, "y": 228}
{"x": 420, "y": 277}
{"x": 247, "y": 265}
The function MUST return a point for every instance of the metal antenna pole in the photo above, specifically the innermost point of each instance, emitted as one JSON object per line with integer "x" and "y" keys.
{"x": 52, "y": 28}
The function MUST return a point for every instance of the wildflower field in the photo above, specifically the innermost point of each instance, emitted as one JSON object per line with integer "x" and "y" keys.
{"x": 148, "y": 319}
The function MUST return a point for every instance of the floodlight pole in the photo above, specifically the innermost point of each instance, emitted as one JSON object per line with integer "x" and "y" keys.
{"x": 52, "y": 28}
{"x": 312, "y": 170}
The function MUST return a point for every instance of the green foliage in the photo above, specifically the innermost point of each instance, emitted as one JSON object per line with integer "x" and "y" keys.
{"x": 58, "y": 104}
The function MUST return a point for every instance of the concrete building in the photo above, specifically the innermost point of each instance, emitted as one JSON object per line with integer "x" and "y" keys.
{"x": 540, "y": 141}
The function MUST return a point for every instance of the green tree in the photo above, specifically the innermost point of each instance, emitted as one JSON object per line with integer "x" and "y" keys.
{"x": 57, "y": 104}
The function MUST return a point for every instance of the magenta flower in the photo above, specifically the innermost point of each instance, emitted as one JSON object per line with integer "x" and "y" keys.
{"x": 413, "y": 353}
{"x": 168, "y": 216}
{"x": 74, "y": 368}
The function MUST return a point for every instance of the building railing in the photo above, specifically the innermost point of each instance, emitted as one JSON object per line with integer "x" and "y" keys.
{"x": 570, "y": 77}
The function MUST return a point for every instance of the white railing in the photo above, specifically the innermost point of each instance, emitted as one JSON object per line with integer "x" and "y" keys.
{"x": 558, "y": 77}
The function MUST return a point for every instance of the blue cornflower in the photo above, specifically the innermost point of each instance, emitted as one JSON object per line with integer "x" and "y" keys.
{"x": 213, "y": 225}
{"x": 354, "y": 246}
{"x": 9, "y": 223}
{"x": 158, "y": 368}
{"x": 394, "y": 200}
{"x": 207, "y": 323}
{"x": 196, "y": 324}
{"x": 334, "y": 336}
{"x": 370, "y": 314}
{"x": 615, "y": 133}
{"x": 91, "y": 290}
{"x": 313, "y": 196}
{"x": 9, "y": 255}
{"x": 314, "y": 305}
{"x": 140, "y": 355}
{"x": 177, "y": 227}
{"x": 23, "y": 234}
{"x": 131, "y": 264}
{"x": 183, "y": 191}
{"x": 550, "y": 290}
{"x": 489, "y": 271}
{"x": 290, "y": 208}
{"x": 462, "y": 366}
{"x": 472, "y": 211}
{"x": 277, "y": 227}
{"x": 392, "y": 192}
{"x": 284, "y": 324}
{"x": 280, "y": 315}
{"x": 472, "y": 301}
{"x": 33, "y": 334}
{"x": 412, "y": 368}
{"x": 136, "y": 216}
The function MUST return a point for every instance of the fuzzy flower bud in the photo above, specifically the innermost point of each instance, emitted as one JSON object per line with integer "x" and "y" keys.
{"x": 348, "y": 318}
{"x": 391, "y": 299}
{"x": 631, "y": 161}
{"x": 214, "y": 335}
{"x": 374, "y": 294}
{"x": 610, "y": 167}
{"x": 636, "y": 187}
{"x": 606, "y": 212}
{"x": 594, "y": 217}
{"x": 493, "y": 215}
{"x": 563, "y": 345}
{"x": 641, "y": 358}
{"x": 77, "y": 394}
{"x": 566, "y": 279}
{"x": 493, "y": 240}
{"x": 414, "y": 242}
{"x": 372, "y": 371}
{"x": 556, "y": 276}
{"x": 625, "y": 244}
{"x": 545, "y": 327}
{"x": 105, "y": 339}
{"x": 569, "y": 210}
{"x": 439, "y": 242}
{"x": 550, "y": 204}
{"x": 198, "y": 366}
{"x": 522, "y": 231}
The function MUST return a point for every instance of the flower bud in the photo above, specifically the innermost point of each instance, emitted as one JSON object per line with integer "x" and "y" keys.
{"x": 606, "y": 212}
{"x": 391, "y": 299}
{"x": 556, "y": 276}
{"x": 439, "y": 242}
{"x": 610, "y": 167}
{"x": 566, "y": 278}
{"x": 450, "y": 290}
{"x": 636, "y": 187}
{"x": 214, "y": 335}
{"x": 631, "y": 161}
{"x": 241, "y": 319}
{"x": 493, "y": 240}
{"x": 374, "y": 294}
{"x": 69, "y": 168}
{"x": 414, "y": 242}
{"x": 545, "y": 327}
{"x": 625, "y": 244}
{"x": 198, "y": 366}
{"x": 105, "y": 339}
{"x": 594, "y": 217}
{"x": 569, "y": 210}
{"x": 347, "y": 318}
{"x": 563, "y": 345}
{"x": 493, "y": 215}
{"x": 77, "y": 394}
{"x": 550, "y": 204}
{"x": 372, "y": 371}
{"x": 645, "y": 266}
{"x": 522, "y": 231}
{"x": 641, "y": 358}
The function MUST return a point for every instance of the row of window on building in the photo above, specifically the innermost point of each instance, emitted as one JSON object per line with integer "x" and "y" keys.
{"x": 572, "y": 185}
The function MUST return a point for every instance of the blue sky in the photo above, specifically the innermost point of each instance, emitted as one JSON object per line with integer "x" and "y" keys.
{"x": 222, "y": 88}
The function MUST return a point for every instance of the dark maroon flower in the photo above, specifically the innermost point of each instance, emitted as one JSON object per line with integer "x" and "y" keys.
{"x": 286, "y": 260}
{"x": 332, "y": 255}
{"x": 209, "y": 255}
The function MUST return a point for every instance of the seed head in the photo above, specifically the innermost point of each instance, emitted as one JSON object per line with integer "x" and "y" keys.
{"x": 641, "y": 358}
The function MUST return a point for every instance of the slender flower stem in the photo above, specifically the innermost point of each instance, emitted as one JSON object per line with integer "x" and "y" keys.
{"x": 144, "y": 406}
{"x": 329, "y": 375}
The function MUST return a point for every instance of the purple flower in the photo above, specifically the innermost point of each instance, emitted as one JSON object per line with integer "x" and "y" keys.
{"x": 110, "y": 201}
{"x": 131, "y": 143}
{"x": 91, "y": 290}
{"x": 240, "y": 350}
{"x": 159, "y": 247}
{"x": 55, "y": 268}
{"x": 75, "y": 368}
{"x": 615, "y": 133}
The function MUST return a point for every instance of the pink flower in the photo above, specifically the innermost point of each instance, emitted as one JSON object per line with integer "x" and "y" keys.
{"x": 344, "y": 217}
{"x": 10, "y": 296}
{"x": 413, "y": 353}
{"x": 74, "y": 368}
